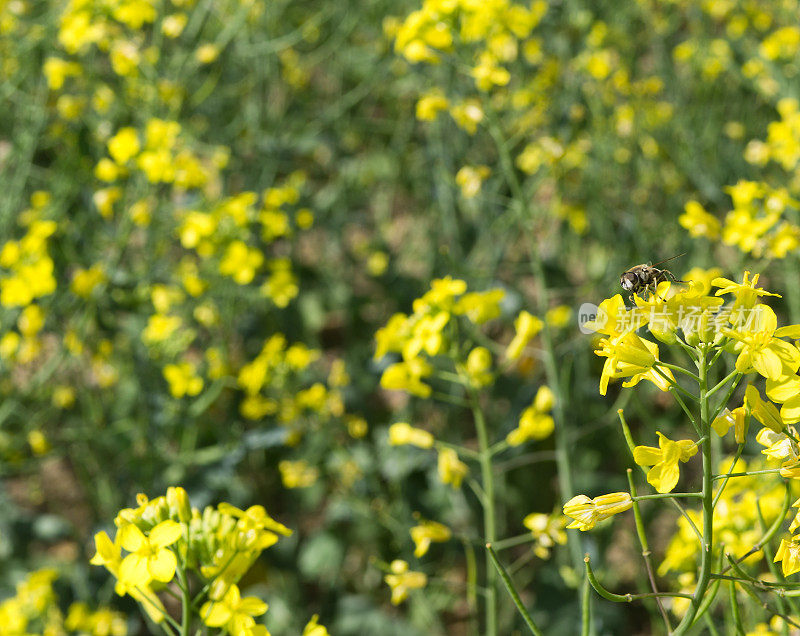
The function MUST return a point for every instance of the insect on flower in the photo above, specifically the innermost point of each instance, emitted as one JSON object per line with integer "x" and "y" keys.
{"x": 644, "y": 277}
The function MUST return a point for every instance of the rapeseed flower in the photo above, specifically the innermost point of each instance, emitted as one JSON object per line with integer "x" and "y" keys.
{"x": 664, "y": 474}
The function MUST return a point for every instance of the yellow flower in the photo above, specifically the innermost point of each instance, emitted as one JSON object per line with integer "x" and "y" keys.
{"x": 759, "y": 345}
{"x": 764, "y": 412}
{"x": 587, "y": 512}
{"x": 699, "y": 222}
{"x": 38, "y": 443}
{"x": 86, "y": 280}
{"x": 206, "y": 53}
{"x": 232, "y": 611}
{"x": 427, "y": 532}
{"x": 746, "y": 293}
{"x": 160, "y": 327}
{"x": 789, "y": 554}
{"x": 241, "y": 262}
{"x": 786, "y": 390}
{"x": 312, "y": 628}
{"x": 150, "y": 557}
{"x": 479, "y": 363}
{"x": 402, "y": 433}
{"x": 427, "y": 335}
{"x": 527, "y": 326}
{"x": 124, "y": 145}
{"x": 630, "y": 356}
{"x": 664, "y": 474}
{"x": 547, "y": 530}
{"x": 534, "y": 423}
{"x": 559, "y": 316}
{"x": 614, "y": 319}
{"x": 183, "y": 379}
{"x": 736, "y": 418}
{"x": 297, "y": 474}
{"x": 407, "y": 376}
{"x": 468, "y": 114}
{"x": 451, "y": 469}
{"x": 430, "y": 105}
{"x": 401, "y": 580}
{"x": 480, "y": 307}
{"x": 470, "y": 179}
{"x": 779, "y": 445}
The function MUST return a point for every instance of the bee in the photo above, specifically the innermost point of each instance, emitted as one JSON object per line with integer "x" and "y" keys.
{"x": 646, "y": 277}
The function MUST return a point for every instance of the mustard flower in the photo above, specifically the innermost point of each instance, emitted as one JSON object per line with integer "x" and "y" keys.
{"x": 255, "y": 517}
{"x": 699, "y": 222}
{"x": 470, "y": 179}
{"x": 426, "y": 336}
{"x": 150, "y": 558}
{"x": 430, "y": 105}
{"x": 297, "y": 474}
{"x": 736, "y": 418}
{"x": 547, "y": 530}
{"x": 313, "y": 628}
{"x": 760, "y": 347}
{"x": 401, "y": 581}
{"x": 786, "y": 390}
{"x": 427, "y": 532}
{"x": 124, "y": 145}
{"x": 160, "y": 327}
{"x": 789, "y": 555}
{"x": 109, "y": 554}
{"x": 746, "y": 294}
{"x": 451, "y": 469}
{"x": 241, "y": 262}
{"x": 527, "y": 326}
{"x": 441, "y": 295}
{"x": 779, "y": 445}
{"x": 407, "y": 376}
{"x": 480, "y": 307}
{"x": 535, "y": 422}
{"x": 402, "y": 433}
{"x": 478, "y": 367}
{"x": 392, "y": 336}
{"x": 664, "y": 474}
{"x": 614, "y": 319}
{"x": 182, "y": 379}
{"x": 629, "y": 356}
{"x": 233, "y": 612}
{"x": 587, "y": 512}
{"x": 764, "y": 412}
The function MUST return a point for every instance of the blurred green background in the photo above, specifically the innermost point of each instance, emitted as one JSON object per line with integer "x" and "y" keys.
{"x": 312, "y": 167}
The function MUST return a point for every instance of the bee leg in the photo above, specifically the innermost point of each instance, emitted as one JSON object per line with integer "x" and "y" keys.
{"x": 672, "y": 277}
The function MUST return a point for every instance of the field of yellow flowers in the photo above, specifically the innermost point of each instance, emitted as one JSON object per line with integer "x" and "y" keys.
{"x": 311, "y": 318}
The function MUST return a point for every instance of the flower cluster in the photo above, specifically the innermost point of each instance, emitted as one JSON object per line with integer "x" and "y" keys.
{"x": 34, "y": 609}
{"x": 163, "y": 539}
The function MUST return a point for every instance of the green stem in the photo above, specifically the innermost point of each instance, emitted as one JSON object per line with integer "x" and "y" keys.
{"x": 625, "y": 598}
{"x": 708, "y": 498}
{"x": 626, "y": 433}
{"x": 640, "y": 531}
{"x": 686, "y": 410}
{"x": 586, "y": 609}
{"x": 186, "y": 602}
{"x": 510, "y": 542}
{"x": 678, "y": 368}
{"x": 669, "y": 495}
{"x": 737, "y": 619}
{"x": 727, "y": 397}
{"x": 727, "y": 476}
{"x": 723, "y": 382}
{"x": 487, "y": 477}
{"x": 512, "y": 591}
